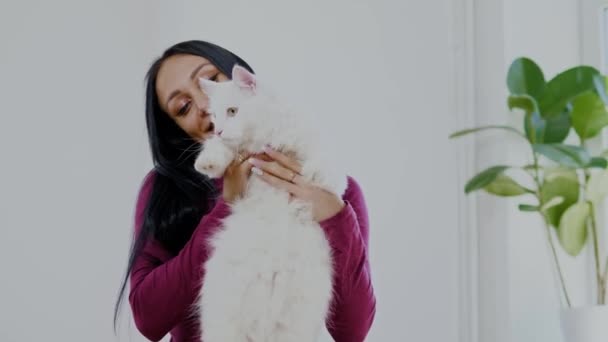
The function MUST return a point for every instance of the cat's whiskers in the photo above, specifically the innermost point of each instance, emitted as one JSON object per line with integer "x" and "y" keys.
{"x": 198, "y": 148}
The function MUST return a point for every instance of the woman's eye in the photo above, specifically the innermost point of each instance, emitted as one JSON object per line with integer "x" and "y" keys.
{"x": 210, "y": 77}
{"x": 184, "y": 109}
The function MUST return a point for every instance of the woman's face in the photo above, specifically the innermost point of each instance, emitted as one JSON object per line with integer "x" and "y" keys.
{"x": 180, "y": 96}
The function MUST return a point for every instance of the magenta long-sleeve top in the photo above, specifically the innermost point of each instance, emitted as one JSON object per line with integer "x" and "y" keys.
{"x": 164, "y": 287}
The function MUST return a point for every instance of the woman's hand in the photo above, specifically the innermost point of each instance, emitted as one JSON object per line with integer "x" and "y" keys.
{"x": 283, "y": 172}
{"x": 236, "y": 176}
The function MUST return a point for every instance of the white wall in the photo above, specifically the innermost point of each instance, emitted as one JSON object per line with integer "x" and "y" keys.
{"x": 73, "y": 152}
{"x": 378, "y": 74}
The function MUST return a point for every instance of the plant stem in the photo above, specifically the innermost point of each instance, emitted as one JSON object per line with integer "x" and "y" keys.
{"x": 600, "y": 278}
{"x": 557, "y": 265}
{"x": 601, "y": 298}
{"x": 548, "y": 228}
{"x": 604, "y": 279}
{"x": 596, "y": 252}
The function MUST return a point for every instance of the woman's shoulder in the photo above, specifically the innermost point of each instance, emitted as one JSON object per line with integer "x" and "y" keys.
{"x": 355, "y": 197}
{"x": 353, "y": 189}
{"x": 145, "y": 185}
{"x": 149, "y": 177}
{"x": 145, "y": 188}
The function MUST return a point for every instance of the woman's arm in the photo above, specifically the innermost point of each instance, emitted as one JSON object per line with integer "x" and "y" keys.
{"x": 163, "y": 288}
{"x": 354, "y": 304}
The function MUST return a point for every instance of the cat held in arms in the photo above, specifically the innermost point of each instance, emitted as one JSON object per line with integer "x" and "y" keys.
{"x": 269, "y": 274}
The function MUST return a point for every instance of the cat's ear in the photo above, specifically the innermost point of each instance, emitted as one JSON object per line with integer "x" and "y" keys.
{"x": 206, "y": 85}
{"x": 243, "y": 78}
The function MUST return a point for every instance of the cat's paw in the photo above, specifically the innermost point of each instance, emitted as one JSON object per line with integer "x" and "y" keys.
{"x": 214, "y": 159}
{"x": 208, "y": 167}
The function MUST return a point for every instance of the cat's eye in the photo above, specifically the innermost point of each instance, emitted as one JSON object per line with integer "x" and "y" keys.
{"x": 232, "y": 111}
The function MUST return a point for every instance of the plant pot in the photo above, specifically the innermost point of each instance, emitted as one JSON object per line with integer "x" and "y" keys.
{"x": 585, "y": 324}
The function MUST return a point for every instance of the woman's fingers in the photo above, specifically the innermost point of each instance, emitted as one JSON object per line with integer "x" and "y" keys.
{"x": 283, "y": 159}
{"x": 239, "y": 164}
{"x": 245, "y": 167}
{"x": 277, "y": 182}
{"x": 277, "y": 170}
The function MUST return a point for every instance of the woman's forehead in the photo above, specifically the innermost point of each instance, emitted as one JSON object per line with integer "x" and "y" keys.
{"x": 176, "y": 70}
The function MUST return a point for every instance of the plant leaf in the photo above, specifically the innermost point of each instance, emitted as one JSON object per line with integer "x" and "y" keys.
{"x": 598, "y": 162}
{"x": 555, "y": 201}
{"x": 548, "y": 130}
{"x": 566, "y": 155}
{"x": 535, "y": 127}
{"x": 572, "y": 230}
{"x": 597, "y": 186}
{"x": 528, "y": 207}
{"x": 525, "y": 77}
{"x": 523, "y": 101}
{"x": 505, "y": 186}
{"x": 559, "y": 182}
{"x": 478, "y": 129}
{"x": 557, "y": 128}
{"x": 589, "y": 115}
{"x": 601, "y": 84}
{"x": 564, "y": 87}
{"x": 484, "y": 178}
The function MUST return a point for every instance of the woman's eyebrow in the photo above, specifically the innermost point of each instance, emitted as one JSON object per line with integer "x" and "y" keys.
{"x": 192, "y": 76}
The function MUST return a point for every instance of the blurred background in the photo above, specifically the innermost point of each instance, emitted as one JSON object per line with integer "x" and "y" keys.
{"x": 389, "y": 79}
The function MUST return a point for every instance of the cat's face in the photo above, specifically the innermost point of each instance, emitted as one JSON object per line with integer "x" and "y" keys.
{"x": 225, "y": 100}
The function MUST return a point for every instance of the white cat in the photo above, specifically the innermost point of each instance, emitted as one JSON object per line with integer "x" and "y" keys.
{"x": 269, "y": 276}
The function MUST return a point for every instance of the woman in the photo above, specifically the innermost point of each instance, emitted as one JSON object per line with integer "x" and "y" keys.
{"x": 178, "y": 209}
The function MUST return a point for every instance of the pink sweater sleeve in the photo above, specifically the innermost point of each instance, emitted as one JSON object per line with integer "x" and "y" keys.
{"x": 163, "y": 287}
{"x": 354, "y": 303}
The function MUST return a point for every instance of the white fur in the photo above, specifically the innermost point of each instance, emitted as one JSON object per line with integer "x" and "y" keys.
{"x": 269, "y": 277}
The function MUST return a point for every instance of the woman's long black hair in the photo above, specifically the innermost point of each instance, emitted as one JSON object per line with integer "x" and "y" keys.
{"x": 179, "y": 193}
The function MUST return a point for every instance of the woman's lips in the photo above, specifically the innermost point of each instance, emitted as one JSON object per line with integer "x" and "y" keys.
{"x": 208, "y": 132}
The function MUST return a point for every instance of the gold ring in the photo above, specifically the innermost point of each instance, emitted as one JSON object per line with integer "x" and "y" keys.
{"x": 240, "y": 158}
{"x": 293, "y": 176}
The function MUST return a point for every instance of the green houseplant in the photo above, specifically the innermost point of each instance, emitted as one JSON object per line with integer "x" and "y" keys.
{"x": 565, "y": 181}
